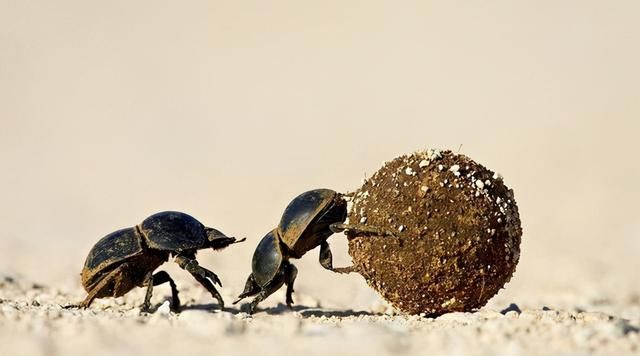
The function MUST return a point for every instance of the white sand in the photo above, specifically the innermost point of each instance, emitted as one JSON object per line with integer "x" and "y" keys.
{"x": 32, "y": 322}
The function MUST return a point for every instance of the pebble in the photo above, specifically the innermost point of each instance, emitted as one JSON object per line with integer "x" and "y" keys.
{"x": 164, "y": 309}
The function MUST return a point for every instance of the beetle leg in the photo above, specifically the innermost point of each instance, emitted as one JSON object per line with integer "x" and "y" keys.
{"x": 326, "y": 260}
{"x": 259, "y": 297}
{"x": 148, "y": 281}
{"x": 123, "y": 281}
{"x": 290, "y": 276}
{"x": 345, "y": 270}
{"x": 192, "y": 266}
{"x": 250, "y": 288}
{"x": 100, "y": 289}
{"x": 201, "y": 274}
{"x": 211, "y": 288}
{"x": 359, "y": 229}
{"x": 163, "y": 277}
{"x": 152, "y": 280}
{"x": 273, "y": 286}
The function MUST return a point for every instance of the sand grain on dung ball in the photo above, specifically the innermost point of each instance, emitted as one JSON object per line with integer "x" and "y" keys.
{"x": 457, "y": 233}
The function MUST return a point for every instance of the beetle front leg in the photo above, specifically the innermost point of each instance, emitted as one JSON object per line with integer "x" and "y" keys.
{"x": 273, "y": 286}
{"x": 259, "y": 297}
{"x": 360, "y": 229}
{"x": 201, "y": 275}
{"x": 326, "y": 260}
{"x": 250, "y": 288}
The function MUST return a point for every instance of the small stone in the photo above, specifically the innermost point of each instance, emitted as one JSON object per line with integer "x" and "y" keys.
{"x": 423, "y": 163}
{"x": 479, "y": 184}
{"x": 363, "y": 220}
{"x": 164, "y": 309}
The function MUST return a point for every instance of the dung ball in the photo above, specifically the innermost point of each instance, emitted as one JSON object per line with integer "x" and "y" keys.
{"x": 455, "y": 233}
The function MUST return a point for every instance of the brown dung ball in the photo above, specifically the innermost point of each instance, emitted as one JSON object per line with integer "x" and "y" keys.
{"x": 457, "y": 233}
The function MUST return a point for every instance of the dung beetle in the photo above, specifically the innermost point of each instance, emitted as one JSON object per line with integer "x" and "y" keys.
{"x": 306, "y": 223}
{"x": 126, "y": 258}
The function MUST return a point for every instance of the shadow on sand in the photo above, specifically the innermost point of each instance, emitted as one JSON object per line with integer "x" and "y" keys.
{"x": 282, "y": 309}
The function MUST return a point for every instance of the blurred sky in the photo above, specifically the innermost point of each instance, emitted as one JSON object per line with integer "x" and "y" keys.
{"x": 111, "y": 111}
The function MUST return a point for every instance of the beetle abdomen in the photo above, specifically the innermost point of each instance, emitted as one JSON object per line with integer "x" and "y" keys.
{"x": 267, "y": 259}
{"x": 109, "y": 250}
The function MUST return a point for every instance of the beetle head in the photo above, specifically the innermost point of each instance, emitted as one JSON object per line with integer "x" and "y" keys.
{"x": 217, "y": 240}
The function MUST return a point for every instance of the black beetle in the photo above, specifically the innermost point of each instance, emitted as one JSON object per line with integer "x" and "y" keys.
{"x": 306, "y": 223}
{"x": 126, "y": 258}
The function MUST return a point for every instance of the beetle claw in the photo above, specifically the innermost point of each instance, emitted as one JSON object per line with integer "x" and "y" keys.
{"x": 215, "y": 279}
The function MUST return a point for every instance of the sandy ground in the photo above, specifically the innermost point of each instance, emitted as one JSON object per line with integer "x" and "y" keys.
{"x": 33, "y": 322}
{"x": 226, "y": 110}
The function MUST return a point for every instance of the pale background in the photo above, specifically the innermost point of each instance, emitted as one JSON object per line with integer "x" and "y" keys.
{"x": 111, "y": 111}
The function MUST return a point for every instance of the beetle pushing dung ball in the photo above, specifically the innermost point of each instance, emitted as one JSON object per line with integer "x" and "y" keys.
{"x": 458, "y": 233}
{"x": 432, "y": 232}
{"x": 126, "y": 259}
{"x": 307, "y": 222}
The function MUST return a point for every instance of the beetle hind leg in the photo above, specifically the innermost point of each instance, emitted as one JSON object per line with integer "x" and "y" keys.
{"x": 108, "y": 286}
{"x": 291, "y": 272}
